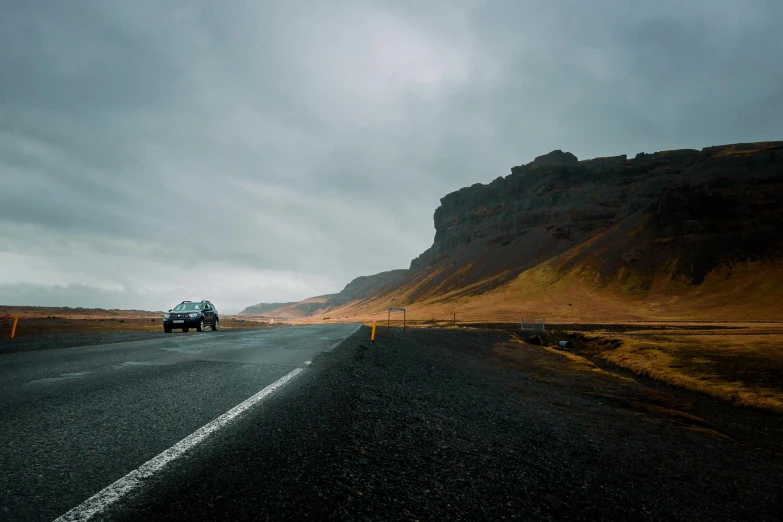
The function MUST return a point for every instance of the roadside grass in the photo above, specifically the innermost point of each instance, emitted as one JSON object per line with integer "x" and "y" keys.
{"x": 580, "y": 363}
{"x": 739, "y": 362}
{"x": 569, "y": 360}
{"x": 744, "y": 366}
{"x": 52, "y": 326}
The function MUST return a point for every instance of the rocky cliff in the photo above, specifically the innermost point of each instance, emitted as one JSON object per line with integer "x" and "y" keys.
{"x": 673, "y": 234}
{"x": 726, "y": 200}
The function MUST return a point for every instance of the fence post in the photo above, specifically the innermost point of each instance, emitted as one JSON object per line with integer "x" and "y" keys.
{"x": 13, "y": 327}
{"x": 543, "y": 324}
{"x": 522, "y": 326}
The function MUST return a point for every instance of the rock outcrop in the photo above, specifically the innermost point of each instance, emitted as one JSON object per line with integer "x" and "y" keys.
{"x": 653, "y": 227}
{"x": 730, "y": 195}
{"x": 556, "y": 158}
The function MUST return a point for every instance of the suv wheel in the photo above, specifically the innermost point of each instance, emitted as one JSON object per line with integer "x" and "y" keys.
{"x": 167, "y": 329}
{"x": 200, "y": 326}
{"x": 185, "y": 330}
{"x": 216, "y": 325}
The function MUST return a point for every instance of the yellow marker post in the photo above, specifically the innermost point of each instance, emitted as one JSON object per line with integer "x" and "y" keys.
{"x": 372, "y": 336}
{"x": 13, "y": 327}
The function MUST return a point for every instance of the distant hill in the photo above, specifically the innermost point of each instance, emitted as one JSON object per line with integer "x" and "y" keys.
{"x": 67, "y": 312}
{"x": 674, "y": 235}
{"x": 264, "y": 308}
{"x": 356, "y": 291}
{"x": 287, "y": 311}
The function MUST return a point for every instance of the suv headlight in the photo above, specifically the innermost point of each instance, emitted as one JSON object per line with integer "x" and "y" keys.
{"x": 196, "y": 314}
{"x": 166, "y": 316}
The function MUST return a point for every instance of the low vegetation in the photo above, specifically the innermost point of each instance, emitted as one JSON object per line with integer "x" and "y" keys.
{"x": 742, "y": 364}
{"x": 53, "y": 325}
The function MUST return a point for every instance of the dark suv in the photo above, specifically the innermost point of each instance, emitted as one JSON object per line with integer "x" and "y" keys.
{"x": 191, "y": 314}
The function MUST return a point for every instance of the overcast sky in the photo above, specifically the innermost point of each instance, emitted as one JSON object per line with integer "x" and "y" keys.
{"x": 259, "y": 151}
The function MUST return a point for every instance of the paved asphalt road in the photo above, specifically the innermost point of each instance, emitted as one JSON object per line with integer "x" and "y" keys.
{"x": 75, "y": 420}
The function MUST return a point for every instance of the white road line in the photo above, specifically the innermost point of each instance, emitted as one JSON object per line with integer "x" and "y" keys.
{"x": 110, "y": 494}
{"x": 347, "y": 336}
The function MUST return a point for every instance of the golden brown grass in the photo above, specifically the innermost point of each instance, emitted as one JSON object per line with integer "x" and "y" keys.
{"x": 742, "y": 292}
{"x": 41, "y": 312}
{"x": 578, "y": 363}
{"x": 754, "y": 149}
{"x": 743, "y": 365}
{"x": 56, "y": 326}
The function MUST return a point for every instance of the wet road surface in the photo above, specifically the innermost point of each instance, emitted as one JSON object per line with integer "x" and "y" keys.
{"x": 74, "y": 420}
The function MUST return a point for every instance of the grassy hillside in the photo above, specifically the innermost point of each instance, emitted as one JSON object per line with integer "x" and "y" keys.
{"x": 566, "y": 291}
{"x": 680, "y": 235}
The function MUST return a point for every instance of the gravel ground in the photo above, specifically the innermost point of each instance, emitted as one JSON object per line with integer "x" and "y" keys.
{"x": 464, "y": 425}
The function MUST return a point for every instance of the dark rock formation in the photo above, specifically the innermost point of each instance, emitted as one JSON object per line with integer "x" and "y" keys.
{"x": 697, "y": 209}
{"x": 556, "y": 202}
{"x": 556, "y": 158}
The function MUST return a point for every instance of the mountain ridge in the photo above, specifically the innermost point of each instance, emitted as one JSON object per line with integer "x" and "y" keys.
{"x": 648, "y": 232}
{"x": 360, "y": 288}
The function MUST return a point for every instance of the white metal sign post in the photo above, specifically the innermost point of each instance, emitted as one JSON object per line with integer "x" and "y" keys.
{"x": 533, "y": 324}
{"x": 388, "y": 319}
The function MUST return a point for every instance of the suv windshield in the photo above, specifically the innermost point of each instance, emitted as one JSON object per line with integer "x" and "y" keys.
{"x": 187, "y": 306}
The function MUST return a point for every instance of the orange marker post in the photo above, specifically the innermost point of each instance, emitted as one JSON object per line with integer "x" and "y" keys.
{"x": 13, "y": 327}
{"x": 372, "y": 335}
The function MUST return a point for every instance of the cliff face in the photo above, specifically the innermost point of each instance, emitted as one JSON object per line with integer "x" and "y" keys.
{"x": 725, "y": 199}
{"x": 669, "y": 235}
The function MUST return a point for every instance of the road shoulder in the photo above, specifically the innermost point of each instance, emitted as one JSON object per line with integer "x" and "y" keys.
{"x": 434, "y": 425}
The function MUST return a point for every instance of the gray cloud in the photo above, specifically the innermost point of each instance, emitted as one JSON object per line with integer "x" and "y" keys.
{"x": 145, "y": 146}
